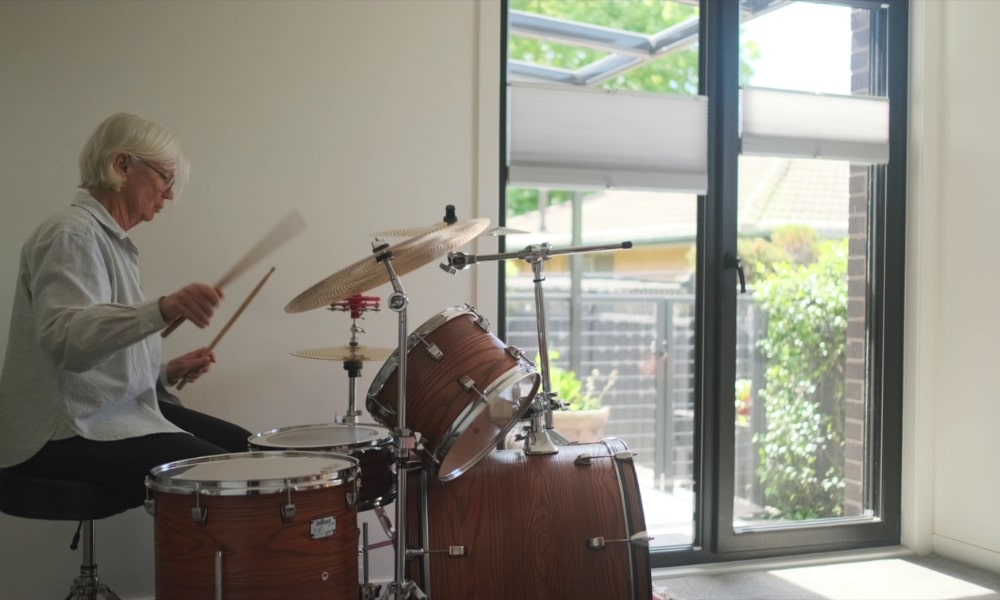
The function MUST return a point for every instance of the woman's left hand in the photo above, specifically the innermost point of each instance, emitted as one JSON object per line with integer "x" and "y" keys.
{"x": 190, "y": 366}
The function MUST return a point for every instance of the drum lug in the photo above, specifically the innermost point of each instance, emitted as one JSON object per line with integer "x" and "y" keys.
{"x": 288, "y": 508}
{"x": 149, "y": 503}
{"x": 198, "y": 514}
{"x": 483, "y": 323}
{"x": 516, "y": 353}
{"x": 451, "y": 551}
{"x": 468, "y": 384}
{"x": 625, "y": 456}
{"x": 584, "y": 460}
{"x": 640, "y": 538}
{"x": 434, "y": 352}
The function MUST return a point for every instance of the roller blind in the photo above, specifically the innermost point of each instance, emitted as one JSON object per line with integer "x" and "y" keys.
{"x": 804, "y": 125}
{"x": 570, "y": 136}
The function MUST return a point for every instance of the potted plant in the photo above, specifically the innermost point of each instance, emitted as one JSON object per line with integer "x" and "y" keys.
{"x": 585, "y": 415}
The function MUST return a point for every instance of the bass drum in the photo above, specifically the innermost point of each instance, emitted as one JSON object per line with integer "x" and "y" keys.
{"x": 263, "y": 525}
{"x": 540, "y": 526}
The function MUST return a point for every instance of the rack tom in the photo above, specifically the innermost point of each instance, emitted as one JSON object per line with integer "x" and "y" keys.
{"x": 465, "y": 389}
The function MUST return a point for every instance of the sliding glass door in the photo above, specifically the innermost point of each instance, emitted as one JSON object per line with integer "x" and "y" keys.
{"x": 717, "y": 188}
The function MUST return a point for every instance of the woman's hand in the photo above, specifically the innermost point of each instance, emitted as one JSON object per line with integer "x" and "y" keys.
{"x": 190, "y": 366}
{"x": 195, "y": 302}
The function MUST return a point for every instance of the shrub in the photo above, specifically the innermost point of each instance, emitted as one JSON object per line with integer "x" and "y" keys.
{"x": 802, "y": 447}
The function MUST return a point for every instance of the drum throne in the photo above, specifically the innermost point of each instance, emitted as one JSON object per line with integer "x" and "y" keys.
{"x": 61, "y": 500}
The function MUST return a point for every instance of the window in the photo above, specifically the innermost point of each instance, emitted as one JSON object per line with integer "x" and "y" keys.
{"x": 754, "y": 145}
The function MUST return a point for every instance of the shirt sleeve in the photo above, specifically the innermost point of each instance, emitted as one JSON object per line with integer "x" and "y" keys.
{"x": 72, "y": 290}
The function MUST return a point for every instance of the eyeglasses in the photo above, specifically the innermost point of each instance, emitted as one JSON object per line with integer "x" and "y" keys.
{"x": 168, "y": 180}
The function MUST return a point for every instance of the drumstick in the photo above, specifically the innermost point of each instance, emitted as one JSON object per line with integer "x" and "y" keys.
{"x": 232, "y": 319}
{"x": 285, "y": 230}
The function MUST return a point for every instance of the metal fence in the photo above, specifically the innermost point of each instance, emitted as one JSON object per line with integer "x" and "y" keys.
{"x": 650, "y": 340}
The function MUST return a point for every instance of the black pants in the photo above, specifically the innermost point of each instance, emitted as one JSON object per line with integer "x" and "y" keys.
{"x": 125, "y": 463}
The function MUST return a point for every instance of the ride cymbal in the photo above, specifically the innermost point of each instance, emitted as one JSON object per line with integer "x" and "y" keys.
{"x": 369, "y": 273}
{"x": 362, "y": 353}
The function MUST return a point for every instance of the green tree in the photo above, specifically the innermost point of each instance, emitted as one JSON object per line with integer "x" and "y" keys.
{"x": 674, "y": 72}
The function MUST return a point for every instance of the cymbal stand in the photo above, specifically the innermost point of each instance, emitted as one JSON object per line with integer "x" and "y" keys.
{"x": 540, "y": 435}
{"x": 356, "y": 305}
{"x": 406, "y": 440}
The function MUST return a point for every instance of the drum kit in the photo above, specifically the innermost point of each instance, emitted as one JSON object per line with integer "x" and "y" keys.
{"x": 548, "y": 519}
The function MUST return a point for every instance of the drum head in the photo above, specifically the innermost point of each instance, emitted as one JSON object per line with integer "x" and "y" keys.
{"x": 322, "y": 437}
{"x": 245, "y": 473}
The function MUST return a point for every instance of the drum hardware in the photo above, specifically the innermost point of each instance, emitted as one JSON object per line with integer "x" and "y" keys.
{"x": 540, "y": 435}
{"x": 218, "y": 575}
{"x": 288, "y": 508}
{"x": 639, "y": 538}
{"x": 369, "y": 590}
{"x": 386, "y": 265}
{"x": 353, "y": 354}
{"x": 585, "y": 460}
{"x": 451, "y": 551}
{"x": 198, "y": 514}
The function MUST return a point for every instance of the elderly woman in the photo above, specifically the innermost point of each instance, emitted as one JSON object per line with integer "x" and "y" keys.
{"x": 83, "y": 394}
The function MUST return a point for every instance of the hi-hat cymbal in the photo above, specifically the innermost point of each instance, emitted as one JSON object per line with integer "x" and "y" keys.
{"x": 369, "y": 273}
{"x": 362, "y": 353}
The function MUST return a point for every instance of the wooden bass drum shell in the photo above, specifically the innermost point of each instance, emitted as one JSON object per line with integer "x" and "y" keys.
{"x": 525, "y": 522}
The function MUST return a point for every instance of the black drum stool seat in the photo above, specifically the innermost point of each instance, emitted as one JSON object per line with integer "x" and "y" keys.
{"x": 34, "y": 497}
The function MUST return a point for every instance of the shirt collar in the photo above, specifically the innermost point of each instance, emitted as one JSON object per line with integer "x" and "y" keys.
{"x": 88, "y": 203}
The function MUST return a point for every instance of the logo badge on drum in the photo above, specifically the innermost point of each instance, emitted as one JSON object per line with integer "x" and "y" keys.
{"x": 322, "y": 528}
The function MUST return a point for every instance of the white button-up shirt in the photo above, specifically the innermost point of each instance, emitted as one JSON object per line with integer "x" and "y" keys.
{"x": 83, "y": 356}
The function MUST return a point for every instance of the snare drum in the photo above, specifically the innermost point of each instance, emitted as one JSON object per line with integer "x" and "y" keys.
{"x": 272, "y": 525}
{"x": 371, "y": 445}
{"x": 465, "y": 389}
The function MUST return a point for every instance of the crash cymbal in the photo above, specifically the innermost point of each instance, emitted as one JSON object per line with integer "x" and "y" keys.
{"x": 369, "y": 273}
{"x": 412, "y": 231}
{"x": 362, "y": 353}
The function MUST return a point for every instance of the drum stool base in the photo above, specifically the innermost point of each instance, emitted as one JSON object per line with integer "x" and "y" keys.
{"x": 88, "y": 586}
{"x": 61, "y": 500}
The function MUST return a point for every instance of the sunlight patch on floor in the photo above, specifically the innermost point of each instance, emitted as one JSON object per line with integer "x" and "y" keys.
{"x": 888, "y": 579}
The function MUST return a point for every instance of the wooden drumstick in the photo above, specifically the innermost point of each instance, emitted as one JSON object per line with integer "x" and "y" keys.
{"x": 285, "y": 230}
{"x": 232, "y": 319}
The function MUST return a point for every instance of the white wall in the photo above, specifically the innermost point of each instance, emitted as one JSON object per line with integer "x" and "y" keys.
{"x": 952, "y": 399}
{"x": 363, "y": 116}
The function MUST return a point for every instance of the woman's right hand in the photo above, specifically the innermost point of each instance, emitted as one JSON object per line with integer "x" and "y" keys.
{"x": 195, "y": 302}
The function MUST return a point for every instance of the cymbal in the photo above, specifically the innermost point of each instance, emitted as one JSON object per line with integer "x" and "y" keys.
{"x": 411, "y": 231}
{"x": 369, "y": 273}
{"x": 362, "y": 353}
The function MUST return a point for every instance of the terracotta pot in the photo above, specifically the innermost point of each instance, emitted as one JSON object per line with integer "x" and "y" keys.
{"x": 581, "y": 425}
